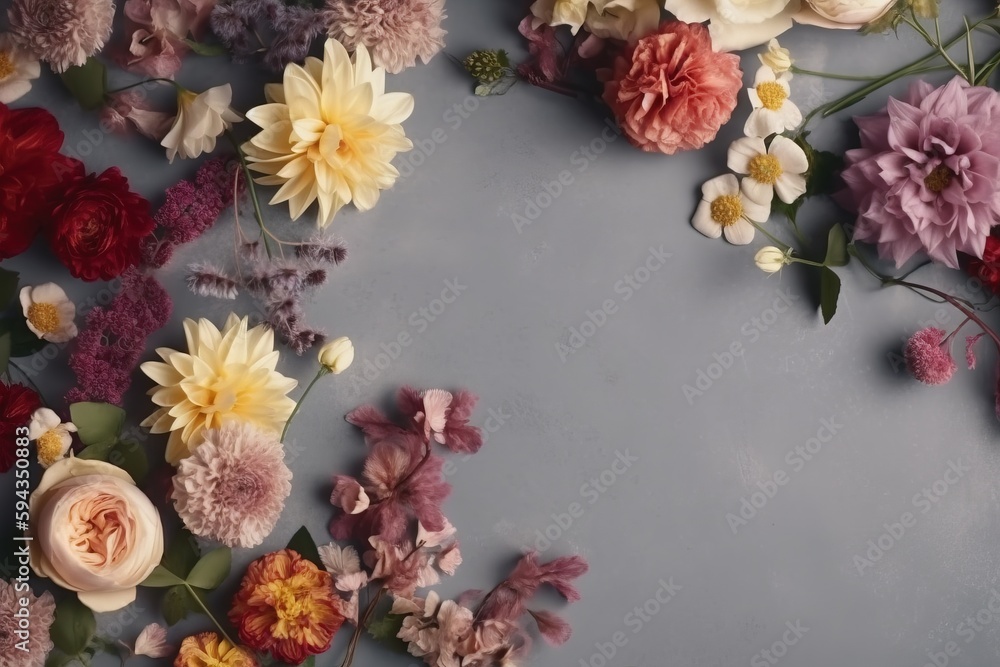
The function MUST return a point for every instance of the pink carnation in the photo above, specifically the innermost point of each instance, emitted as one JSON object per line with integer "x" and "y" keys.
{"x": 63, "y": 33}
{"x": 41, "y": 610}
{"x": 670, "y": 91}
{"x": 396, "y": 32}
{"x": 928, "y": 358}
{"x": 927, "y": 175}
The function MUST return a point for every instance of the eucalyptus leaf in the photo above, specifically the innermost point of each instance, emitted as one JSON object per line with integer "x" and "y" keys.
{"x": 829, "y": 293}
{"x": 836, "y": 247}
{"x": 161, "y": 577}
{"x": 212, "y": 569}
{"x": 74, "y": 626}
{"x": 8, "y": 287}
{"x": 303, "y": 543}
{"x": 88, "y": 83}
{"x": 97, "y": 422}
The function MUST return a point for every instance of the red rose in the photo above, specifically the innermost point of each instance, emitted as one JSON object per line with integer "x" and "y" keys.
{"x": 30, "y": 170}
{"x": 98, "y": 225}
{"x": 17, "y": 403}
{"x": 670, "y": 91}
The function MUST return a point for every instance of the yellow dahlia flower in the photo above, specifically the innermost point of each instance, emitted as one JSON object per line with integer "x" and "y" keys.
{"x": 329, "y": 133}
{"x": 224, "y": 376}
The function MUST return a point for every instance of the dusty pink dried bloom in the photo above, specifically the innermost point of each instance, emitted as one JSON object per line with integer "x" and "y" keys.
{"x": 397, "y": 566}
{"x": 452, "y": 429}
{"x": 928, "y": 357}
{"x": 396, "y": 32}
{"x": 205, "y": 279}
{"x": 927, "y": 177}
{"x": 970, "y": 350}
{"x": 157, "y": 29}
{"x": 152, "y": 642}
{"x": 63, "y": 33}
{"x": 41, "y": 610}
{"x": 233, "y": 486}
{"x": 131, "y": 107}
{"x": 547, "y": 54}
{"x": 508, "y": 601}
{"x": 553, "y": 629}
{"x": 349, "y": 495}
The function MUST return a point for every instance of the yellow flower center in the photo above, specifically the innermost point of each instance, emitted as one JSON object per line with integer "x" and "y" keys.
{"x": 44, "y": 317}
{"x": 939, "y": 178}
{"x": 7, "y": 67}
{"x": 765, "y": 169}
{"x": 49, "y": 448}
{"x": 727, "y": 210}
{"x": 772, "y": 95}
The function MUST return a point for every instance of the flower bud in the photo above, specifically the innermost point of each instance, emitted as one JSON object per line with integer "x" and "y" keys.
{"x": 770, "y": 259}
{"x": 776, "y": 57}
{"x": 926, "y": 9}
{"x": 337, "y": 355}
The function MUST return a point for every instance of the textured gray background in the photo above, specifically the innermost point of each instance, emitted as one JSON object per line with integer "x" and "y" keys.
{"x": 565, "y": 421}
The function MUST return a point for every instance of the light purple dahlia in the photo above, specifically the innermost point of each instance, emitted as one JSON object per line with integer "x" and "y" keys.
{"x": 927, "y": 177}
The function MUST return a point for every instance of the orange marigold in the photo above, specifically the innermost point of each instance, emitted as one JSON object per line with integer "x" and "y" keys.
{"x": 210, "y": 650}
{"x": 286, "y": 607}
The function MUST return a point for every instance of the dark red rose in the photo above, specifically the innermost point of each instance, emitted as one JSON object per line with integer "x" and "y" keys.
{"x": 31, "y": 169}
{"x": 17, "y": 403}
{"x": 987, "y": 269}
{"x": 98, "y": 225}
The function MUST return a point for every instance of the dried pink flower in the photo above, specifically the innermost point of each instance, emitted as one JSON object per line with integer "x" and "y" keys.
{"x": 970, "y": 350}
{"x": 152, "y": 642}
{"x": 63, "y": 33}
{"x": 349, "y": 495}
{"x": 396, "y": 32}
{"x": 205, "y": 279}
{"x": 553, "y": 629}
{"x": 41, "y": 610}
{"x": 131, "y": 107}
{"x": 158, "y": 29}
{"x": 508, "y": 601}
{"x": 233, "y": 486}
{"x": 928, "y": 357}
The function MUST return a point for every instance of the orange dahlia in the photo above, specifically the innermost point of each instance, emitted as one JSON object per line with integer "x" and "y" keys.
{"x": 286, "y": 607}
{"x": 210, "y": 650}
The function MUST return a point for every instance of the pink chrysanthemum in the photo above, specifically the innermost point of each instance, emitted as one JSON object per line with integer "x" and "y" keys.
{"x": 927, "y": 175}
{"x": 40, "y": 610}
{"x": 396, "y": 32}
{"x": 928, "y": 358}
{"x": 63, "y": 33}
{"x": 233, "y": 487}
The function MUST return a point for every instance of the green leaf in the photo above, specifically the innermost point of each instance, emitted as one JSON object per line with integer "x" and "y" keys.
{"x": 385, "y": 629}
{"x": 179, "y": 602}
{"x": 309, "y": 662}
{"x": 829, "y": 293}
{"x": 74, "y": 626}
{"x": 161, "y": 577}
{"x": 836, "y": 247}
{"x": 212, "y": 569}
{"x": 59, "y": 659}
{"x": 4, "y": 352}
{"x": 131, "y": 458}
{"x": 88, "y": 83}
{"x": 23, "y": 341}
{"x": 8, "y": 287}
{"x": 206, "y": 49}
{"x": 303, "y": 543}
{"x": 97, "y": 422}
{"x": 99, "y": 451}
{"x": 181, "y": 554}
{"x": 498, "y": 87}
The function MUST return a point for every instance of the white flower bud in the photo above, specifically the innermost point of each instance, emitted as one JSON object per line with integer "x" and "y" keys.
{"x": 776, "y": 57}
{"x": 770, "y": 259}
{"x": 337, "y": 355}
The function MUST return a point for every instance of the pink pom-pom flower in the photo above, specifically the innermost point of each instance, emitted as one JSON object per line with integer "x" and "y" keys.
{"x": 928, "y": 357}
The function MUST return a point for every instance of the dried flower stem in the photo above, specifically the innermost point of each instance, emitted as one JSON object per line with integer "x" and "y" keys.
{"x": 362, "y": 624}
{"x": 323, "y": 370}
{"x": 253, "y": 190}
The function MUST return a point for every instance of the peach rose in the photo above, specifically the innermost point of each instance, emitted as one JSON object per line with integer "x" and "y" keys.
{"x": 670, "y": 91}
{"x": 94, "y": 532}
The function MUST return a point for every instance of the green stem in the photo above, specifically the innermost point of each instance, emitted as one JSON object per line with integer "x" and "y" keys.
{"x": 253, "y": 191}
{"x": 323, "y": 370}
{"x": 774, "y": 239}
{"x": 142, "y": 83}
{"x": 829, "y": 75}
{"x": 201, "y": 604}
{"x": 800, "y": 260}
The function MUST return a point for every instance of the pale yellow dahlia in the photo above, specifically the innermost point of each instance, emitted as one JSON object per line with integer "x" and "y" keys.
{"x": 225, "y": 376}
{"x": 330, "y": 133}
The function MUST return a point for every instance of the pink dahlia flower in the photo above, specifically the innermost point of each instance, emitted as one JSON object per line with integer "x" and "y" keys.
{"x": 63, "y": 33}
{"x": 396, "y": 32}
{"x": 40, "y": 610}
{"x": 928, "y": 357}
{"x": 233, "y": 487}
{"x": 927, "y": 175}
{"x": 670, "y": 91}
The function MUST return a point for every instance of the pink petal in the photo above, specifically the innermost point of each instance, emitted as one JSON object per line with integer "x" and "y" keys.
{"x": 970, "y": 353}
{"x": 152, "y": 642}
{"x": 436, "y": 403}
{"x": 349, "y": 495}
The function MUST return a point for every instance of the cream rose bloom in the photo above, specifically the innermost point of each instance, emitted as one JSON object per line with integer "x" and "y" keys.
{"x": 737, "y": 24}
{"x": 607, "y": 19}
{"x": 846, "y": 14}
{"x": 94, "y": 532}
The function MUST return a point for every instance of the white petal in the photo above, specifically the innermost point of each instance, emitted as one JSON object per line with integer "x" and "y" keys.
{"x": 742, "y": 151}
{"x": 791, "y": 156}
{"x": 726, "y": 184}
{"x": 762, "y": 123}
{"x": 703, "y": 222}
{"x": 759, "y": 192}
{"x": 790, "y": 187}
{"x": 740, "y": 233}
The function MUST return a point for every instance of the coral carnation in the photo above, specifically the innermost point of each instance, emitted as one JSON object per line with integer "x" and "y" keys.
{"x": 927, "y": 175}
{"x": 396, "y": 32}
{"x": 99, "y": 224}
{"x": 63, "y": 33}
{"x": 17, "y": 404}
{"x": 233, "y": 486}
{"x": 928, "y": 358}
{"x": 207, "y": 649}
{"x": 41, "y": 609}
{"x": 286, "y": 607}
{"x": 670, "y": 91}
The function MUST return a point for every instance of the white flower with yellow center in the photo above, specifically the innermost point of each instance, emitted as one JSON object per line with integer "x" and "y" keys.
{"x": 17, "y": 69}
{"x": 200, "y": 119}
{"x": 726, "y": 210}
{"x": 224, "y": 376}
{"x": 776, "y": 169}
{"x": 330, "y": 133}
{"x": 49, "y": 312}
{"x": 772, "y": 111}
{"x": 52, "y": 436}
